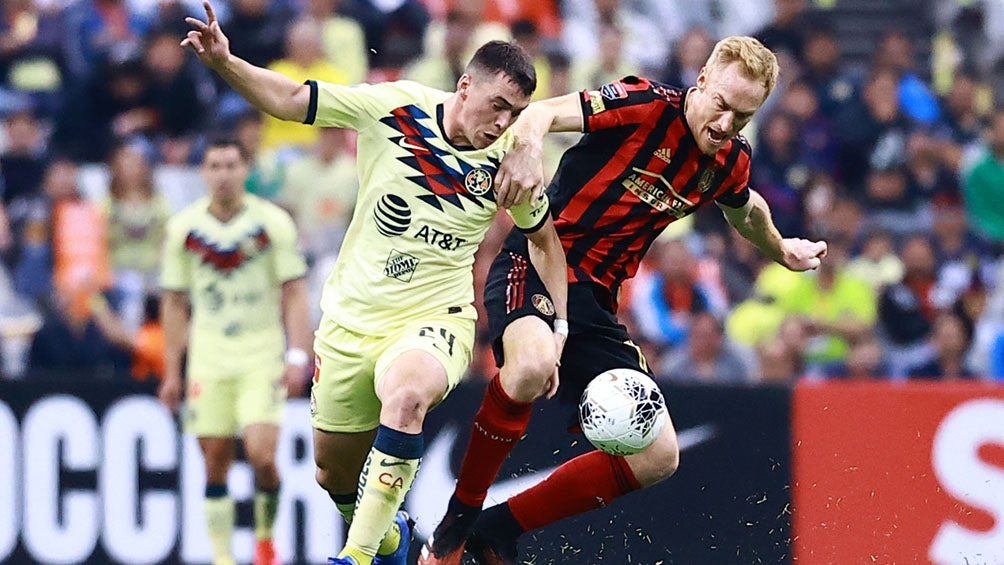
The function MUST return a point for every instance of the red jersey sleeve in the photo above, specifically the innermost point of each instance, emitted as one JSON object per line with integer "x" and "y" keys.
{"x": 736, "y": 191}
{"x": 630, "y": 100}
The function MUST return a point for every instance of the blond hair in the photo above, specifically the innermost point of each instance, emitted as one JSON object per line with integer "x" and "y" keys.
{"x": 756, "y": 61}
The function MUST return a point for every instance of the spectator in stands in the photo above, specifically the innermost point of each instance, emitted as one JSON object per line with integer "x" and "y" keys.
{"x": 983, "y": 182}
{"x": 838, "y": 308}
{"x": 101, "y": 33}
{"x": 961, "y": 119}
{"x": 32, "y": 57}
{"x": 871, "y": 131}
{"x": 907, "y": 309}
{"x": 688, "y": 57}
{"x": 816, "y": 139}
{"x": 778, "y": 172}
{"x": 928, "y": 170}
{"x": 609, "y": 64}
{"x": 23, "y": 161}
{"x": 916, "y": 100}
{"x": 257, "y": 30}
{"x": 441, "y": 66}
{"x": 393, "y": 30}
{"x": 527, "y": 35}
{"x": 964, "y": 261}
{"x": 304, "y": 59}
{"x": 780, "y": 357}
{"x": 666, "y": 298}
{"x": 117, "y": 104}
{"x": 343, "y": 39}
{"x": 950, "y": 340}
{"x": 890, "y": 201}
{"x": 707, "y": 356}
{"x": 267, "y": 170}
{"x": 877, "y": 264}
{"x": 319, "y": 190}
{"x": 149, "y": 344}
{"x": 865, "y": 362}
{"x": 179, "y": 95}
{"x": 822, "y": 71}
{"x": 784, "y": 33}
{"x": 136, "y": 215}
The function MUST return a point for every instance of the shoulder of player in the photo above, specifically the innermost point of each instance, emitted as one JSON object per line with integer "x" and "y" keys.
{"x": 743, "y": 144}
{"x": 658, "y": 90}
{"x": 266, "y": 210}
{"x": 189, "y": 214}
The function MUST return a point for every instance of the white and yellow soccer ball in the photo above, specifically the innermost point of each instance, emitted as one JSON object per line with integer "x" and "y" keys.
{"x": 622, "y": 411}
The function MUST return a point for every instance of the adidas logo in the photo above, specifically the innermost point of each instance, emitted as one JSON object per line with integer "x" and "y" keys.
{"x": 663, "y": 153}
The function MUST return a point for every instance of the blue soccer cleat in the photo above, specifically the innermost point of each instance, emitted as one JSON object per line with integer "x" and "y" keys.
{"x": 400, "y": 555}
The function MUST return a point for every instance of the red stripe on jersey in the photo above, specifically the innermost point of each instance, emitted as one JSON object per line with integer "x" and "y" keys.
{"x": 597, "y": 186}
{"x": 516, "y": 283}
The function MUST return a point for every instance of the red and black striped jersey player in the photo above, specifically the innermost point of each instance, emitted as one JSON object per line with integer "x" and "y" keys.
{"x": 651, "y": 154}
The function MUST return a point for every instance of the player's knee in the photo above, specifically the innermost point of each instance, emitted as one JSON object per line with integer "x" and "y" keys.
{"x": 664, "y": 460}
{"x": 407, "y": 404}
{"x": 526, "y": 377}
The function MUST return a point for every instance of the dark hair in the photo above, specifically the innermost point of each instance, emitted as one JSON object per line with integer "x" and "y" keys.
{"x": 223, "y": 142}
{"x": 508, "y": 58}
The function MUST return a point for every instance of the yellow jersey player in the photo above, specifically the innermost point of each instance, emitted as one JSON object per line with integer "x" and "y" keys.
{"x": 398, "y": 325}
{"x": 234, "y": 296}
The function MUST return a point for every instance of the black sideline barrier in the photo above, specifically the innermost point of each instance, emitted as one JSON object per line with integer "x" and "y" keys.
{"x": 98, "y": 473}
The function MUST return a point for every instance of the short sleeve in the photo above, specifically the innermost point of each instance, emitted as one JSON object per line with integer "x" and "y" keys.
{"x": 353, "y": 107}
{"x": 287, "y": 261}
{"x": 630, "y": 100}
{"x": 737, "y": 184}
{"x": 176, "y": 266}
{"x": 531, "y": 215}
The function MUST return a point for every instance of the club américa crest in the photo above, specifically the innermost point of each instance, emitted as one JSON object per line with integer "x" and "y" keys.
{"x": 478, "y": 182}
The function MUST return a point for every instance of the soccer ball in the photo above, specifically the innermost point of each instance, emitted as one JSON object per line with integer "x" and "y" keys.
{"x": 622, "y": 411}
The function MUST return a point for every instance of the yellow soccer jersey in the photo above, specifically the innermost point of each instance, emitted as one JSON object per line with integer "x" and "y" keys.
{"x": 233, "y": 274}
{"x": 424, "y": 206}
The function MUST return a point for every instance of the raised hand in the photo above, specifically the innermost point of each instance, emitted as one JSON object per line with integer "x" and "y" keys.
{"x": 207, "y": 39}
{"x": 802, "y": 254}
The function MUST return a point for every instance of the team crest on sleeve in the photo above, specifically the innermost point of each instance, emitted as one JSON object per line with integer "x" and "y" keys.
{"x": 613, "y": 91}
{"x": 543, "y": 304}
{"x": 478, "y": 182}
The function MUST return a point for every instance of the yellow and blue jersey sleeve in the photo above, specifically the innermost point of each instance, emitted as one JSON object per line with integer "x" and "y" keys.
{"x": 530, "y": 215}
{"x": 354, "y": 107}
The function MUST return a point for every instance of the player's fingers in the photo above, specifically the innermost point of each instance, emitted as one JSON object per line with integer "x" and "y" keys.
{"x": 821, "y": 249}
{"x": 210, "y": 14}
{"x": 215, "y": 29}
{"x": 502, "y": 188}
{"x": 814, "y": 263}
{"x": 195, "y": 40}
{"x": 197, "y": 23}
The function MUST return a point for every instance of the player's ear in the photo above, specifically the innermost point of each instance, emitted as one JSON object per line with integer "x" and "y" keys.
{"x": 464, "y": 85}
{"x": 702, "y": 77}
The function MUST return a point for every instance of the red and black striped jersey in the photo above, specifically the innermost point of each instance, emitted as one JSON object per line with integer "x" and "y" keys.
{"x": 636, "y": 170}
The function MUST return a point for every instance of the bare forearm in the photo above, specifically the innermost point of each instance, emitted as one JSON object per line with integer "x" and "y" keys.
{"x": 269, "y": 91}
{"x": 296, "y": 314}
{"x": 548, "y": 257}
{"x": 758, "y": 227}
{"x": 563, "y": 113}
{"x": 174, "y": 317}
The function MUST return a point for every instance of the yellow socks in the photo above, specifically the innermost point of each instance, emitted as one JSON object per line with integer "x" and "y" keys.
{"x": 220, "y": 512}
{"x": 266, "y": 506}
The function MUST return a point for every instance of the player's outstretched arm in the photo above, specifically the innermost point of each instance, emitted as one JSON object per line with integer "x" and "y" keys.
{"x": 522, "y": 170}
{"x": 548, "y": 257}
{"x": 295, "y": 318}
{"x": 754, "y": 222}
{"x": 269, "y": 91}
{"x": 174, "y": 315}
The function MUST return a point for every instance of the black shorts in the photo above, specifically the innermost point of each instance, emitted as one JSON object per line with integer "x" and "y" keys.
{"x": 596, "y": 341}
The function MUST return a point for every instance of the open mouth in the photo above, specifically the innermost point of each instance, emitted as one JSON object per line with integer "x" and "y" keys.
{"x": 716, "y": 137}
{"x": 491, "y": 137}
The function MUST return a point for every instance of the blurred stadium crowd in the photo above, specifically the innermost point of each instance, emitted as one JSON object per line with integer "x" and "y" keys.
{"x": 883, "y": 137}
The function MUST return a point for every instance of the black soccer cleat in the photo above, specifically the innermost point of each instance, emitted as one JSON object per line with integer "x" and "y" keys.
{"x": 493, "y": 539}
{"x": 452, "y": 532}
